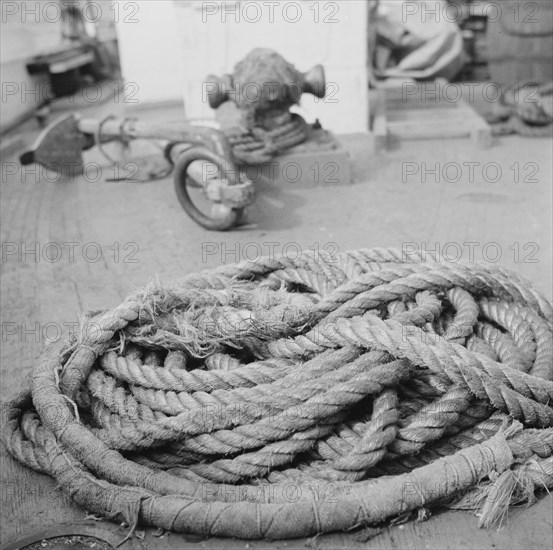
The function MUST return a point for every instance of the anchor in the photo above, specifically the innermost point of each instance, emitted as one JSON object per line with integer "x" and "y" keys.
{"x": 201, "y": 157}
{"x": 254, "y": 132}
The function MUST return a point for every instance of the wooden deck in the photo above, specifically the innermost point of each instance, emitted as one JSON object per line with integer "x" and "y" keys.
{"x": 141, "y": 232}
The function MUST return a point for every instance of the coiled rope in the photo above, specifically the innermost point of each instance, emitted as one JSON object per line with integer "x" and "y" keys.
{"x": 517, "y": 125}
{"x": 527, "y": 112}
{"x": 259, "y": 146}
{"x": 287, "y": 397}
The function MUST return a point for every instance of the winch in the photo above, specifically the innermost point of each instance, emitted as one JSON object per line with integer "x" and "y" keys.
{"x": 271, "y": 143}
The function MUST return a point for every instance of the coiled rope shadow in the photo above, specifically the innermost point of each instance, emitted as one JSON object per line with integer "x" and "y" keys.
{"x": 283, "y": 398}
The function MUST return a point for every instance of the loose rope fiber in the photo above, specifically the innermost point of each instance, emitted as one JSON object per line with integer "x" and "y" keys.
{"x": 284, "y": 398}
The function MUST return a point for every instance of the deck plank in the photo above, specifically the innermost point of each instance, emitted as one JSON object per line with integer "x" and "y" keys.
{"x": 385, "y": 210}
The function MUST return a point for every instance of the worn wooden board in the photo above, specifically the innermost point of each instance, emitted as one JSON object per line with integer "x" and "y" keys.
{"x": 402, "y": 114}
{"x": 153, "y": 236}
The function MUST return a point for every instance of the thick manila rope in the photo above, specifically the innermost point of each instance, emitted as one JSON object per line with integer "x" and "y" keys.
{"x": 284, "y": 398}
{"x": 258, "y": 146}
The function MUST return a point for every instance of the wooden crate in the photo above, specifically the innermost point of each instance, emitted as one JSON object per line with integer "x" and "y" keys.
{"x": 423, "y": 115}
